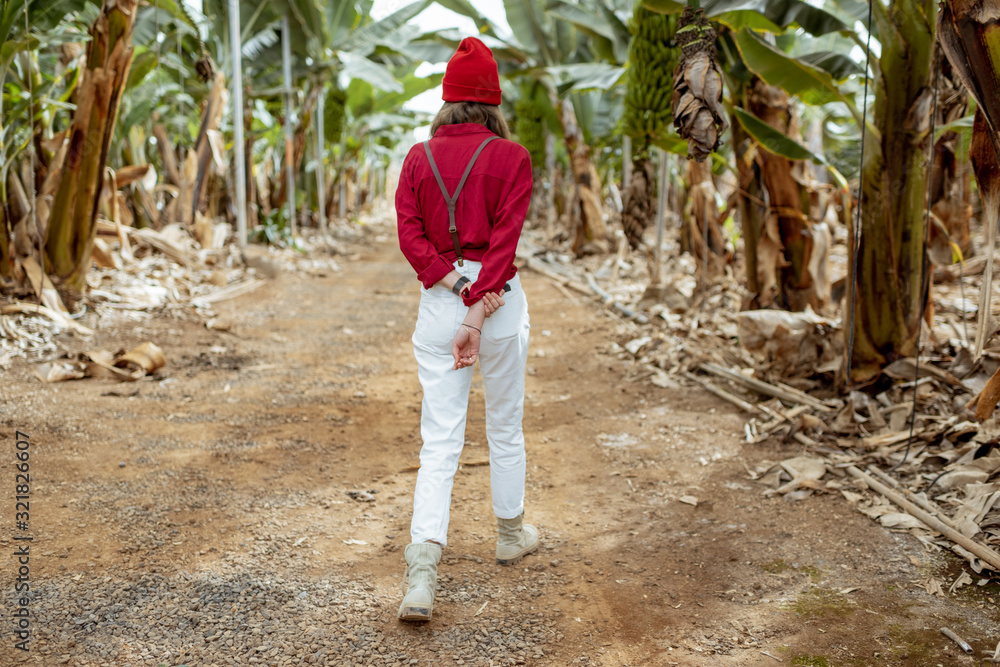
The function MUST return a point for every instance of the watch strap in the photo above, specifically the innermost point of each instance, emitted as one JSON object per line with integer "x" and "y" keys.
{"x": 460, "y": 285}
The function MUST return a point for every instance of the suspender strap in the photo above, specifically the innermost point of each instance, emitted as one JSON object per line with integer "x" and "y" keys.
{"x": 452, "y": 199}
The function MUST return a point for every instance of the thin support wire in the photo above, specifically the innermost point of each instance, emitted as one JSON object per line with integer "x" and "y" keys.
{"x": 924, "y": 279}
{"x": 856, "y": 235}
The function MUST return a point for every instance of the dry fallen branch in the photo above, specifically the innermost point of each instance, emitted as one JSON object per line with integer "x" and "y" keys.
{"x": 723, "y": 394}
{"x": 984, "y": 553}
{"x": 787, "y": 394}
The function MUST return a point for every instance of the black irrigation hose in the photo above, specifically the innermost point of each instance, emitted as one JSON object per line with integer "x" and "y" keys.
{"x": 927, "y": 491}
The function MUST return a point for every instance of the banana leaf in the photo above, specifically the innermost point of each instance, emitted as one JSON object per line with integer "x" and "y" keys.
{"x": 355, "y": 66}
{"x": 411, "y": 87}
{"x": 673, "y": 143}
{"x": 364, "y": 40}
{"x": 439, "y": 46}
{"x": 809, "y": 83}
{"x": 465, "y": 8}
{"x": 781, "y": 144}
{"x": 766, "y": 15}
{"x": 986, "y": 165}
{"x": 531, "y": 30}
{"x": 585, "y": 76}
{"x": 970, "y": 38}
{"x": 837, "y": 65}
{"x": 600, "y": 21}
{"x": 266, "y": 38}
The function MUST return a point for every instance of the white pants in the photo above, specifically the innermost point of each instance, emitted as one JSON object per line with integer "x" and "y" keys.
{"x": 503, "y": 356}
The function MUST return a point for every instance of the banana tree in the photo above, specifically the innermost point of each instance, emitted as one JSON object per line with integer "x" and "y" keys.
{"x": 889, "y": 277}
{"x": 72, "y": 224}
{"x": 37, "y": 77}
{"x": 785, "y": 248}
{"x": 571, "y": 35}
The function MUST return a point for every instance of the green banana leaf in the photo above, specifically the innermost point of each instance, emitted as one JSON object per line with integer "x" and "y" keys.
{"x": 809, "y": 83}
{"x": 530, "y": 26}
{"x": 672, "y": 143}
{"x": 392, "y": 102}
{"x": 439, "y": 46}
{"x": 765, "y": 15}
{"x": 780, "y": 143}
{"x": 364, "y": 40}
{"x": 837, "y": 65}
{"x": 598, "y": 21}
{"x": 142, "y": 64}
{"x": 465, "y": 8}
{"x": 429, "y": 50}
{"x": 585, "y": 76}
{"x": 254, "y": 47}
{"x": 358, "y": 67}
{"x": 774, "y": 141}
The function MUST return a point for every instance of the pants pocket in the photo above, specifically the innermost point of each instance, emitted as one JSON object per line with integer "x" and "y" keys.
{"x": 510, "y": 319}
{"x": 436, "y": 319}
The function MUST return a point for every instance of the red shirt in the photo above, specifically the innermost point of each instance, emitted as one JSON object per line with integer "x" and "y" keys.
{"x": 490, "y": 211}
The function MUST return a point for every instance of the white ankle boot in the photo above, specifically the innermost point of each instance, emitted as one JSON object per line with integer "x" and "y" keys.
{"x": 421, "y": 570}
{"x": 515, "y": 541}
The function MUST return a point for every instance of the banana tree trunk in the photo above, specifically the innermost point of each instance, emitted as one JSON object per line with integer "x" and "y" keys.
{"x": 249, "y": 169}
{"x": 701, "y": 221}
{"x": 70, "y": 234}
{"x": 210, "y": 118}
{"x": 761, "y": 283}
{"x": 950, "y": 179}
{"x": 892, "y": 287}
{"x": 298, "y": 146}
{"x": 6, "y": 247}
{"x": 591, "y": 232}
{"x": 789, "y": 204}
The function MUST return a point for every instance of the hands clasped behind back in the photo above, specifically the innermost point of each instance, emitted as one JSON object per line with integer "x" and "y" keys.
{"x": 465, "y": 346}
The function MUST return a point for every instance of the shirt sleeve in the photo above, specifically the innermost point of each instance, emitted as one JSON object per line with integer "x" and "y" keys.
{"x": 507, "y": 224}
{"x": 418, "y": 250}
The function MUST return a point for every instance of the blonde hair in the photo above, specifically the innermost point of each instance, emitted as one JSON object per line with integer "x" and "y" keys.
{"x": 472, "y": 112}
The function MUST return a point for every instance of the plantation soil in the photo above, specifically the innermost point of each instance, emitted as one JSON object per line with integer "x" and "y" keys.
{"x": 279, "y": 457}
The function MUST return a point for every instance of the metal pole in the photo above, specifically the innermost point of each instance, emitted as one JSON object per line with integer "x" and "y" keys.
{"x": 286, "y": 61}
{"x": 661, "y": 214}
{"x": 626, "y": 163}
{"x": 341, "y": 181}
{"x": 320, "y": 161}
{"x": 235, "y": 43}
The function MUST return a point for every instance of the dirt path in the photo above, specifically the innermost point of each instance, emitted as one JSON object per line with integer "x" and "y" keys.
{"x": 206, "y": 518}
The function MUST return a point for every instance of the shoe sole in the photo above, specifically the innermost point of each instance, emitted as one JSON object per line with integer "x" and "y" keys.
{"x": 415, "y": 614}
{"x": 514, "y": 560}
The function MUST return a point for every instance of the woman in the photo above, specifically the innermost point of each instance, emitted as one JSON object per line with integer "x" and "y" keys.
{"x": 460, "y": 206}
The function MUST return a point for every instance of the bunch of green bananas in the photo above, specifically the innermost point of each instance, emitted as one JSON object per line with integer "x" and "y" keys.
{"x": 653, "y": 56}
{"x": 529, "y": 126}
{"x": 333, "y": 121}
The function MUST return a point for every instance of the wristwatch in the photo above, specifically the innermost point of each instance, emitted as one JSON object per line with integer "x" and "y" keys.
{"x": 460, "y": 285}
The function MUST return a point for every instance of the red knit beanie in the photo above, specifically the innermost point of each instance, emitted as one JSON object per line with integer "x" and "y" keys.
{"x": 472, "y": 74}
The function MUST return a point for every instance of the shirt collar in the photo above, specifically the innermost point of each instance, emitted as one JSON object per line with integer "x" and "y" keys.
{"x": 461, "y": 128}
